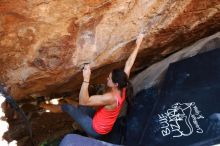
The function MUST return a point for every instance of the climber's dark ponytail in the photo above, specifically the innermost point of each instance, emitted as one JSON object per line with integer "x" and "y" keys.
{"x": 129, "y": 95}
{"x": 120, "y": 77}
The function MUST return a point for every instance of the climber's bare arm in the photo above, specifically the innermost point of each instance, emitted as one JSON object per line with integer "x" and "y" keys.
{"x": 129, "y": 63}
{"x": 95, "y": 100}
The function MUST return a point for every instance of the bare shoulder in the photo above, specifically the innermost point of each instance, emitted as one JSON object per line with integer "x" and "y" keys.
{"x": 109, "y": 96}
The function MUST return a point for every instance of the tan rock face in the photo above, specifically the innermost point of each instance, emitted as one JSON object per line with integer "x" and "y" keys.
{"x": 44, "y": 43}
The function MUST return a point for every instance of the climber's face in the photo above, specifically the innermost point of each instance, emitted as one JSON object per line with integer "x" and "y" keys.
{"x": 110, "y": 83}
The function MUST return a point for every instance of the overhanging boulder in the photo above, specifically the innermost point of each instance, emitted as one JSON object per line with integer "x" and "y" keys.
{"x": 43, "y": 44}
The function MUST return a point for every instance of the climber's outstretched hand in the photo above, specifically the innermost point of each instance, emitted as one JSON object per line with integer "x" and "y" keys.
{"x": 139, "y": 39}
{"x": 86, "y": 72}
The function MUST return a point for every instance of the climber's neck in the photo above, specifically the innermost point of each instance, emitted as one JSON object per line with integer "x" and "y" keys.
{"x": 115, "y": 90}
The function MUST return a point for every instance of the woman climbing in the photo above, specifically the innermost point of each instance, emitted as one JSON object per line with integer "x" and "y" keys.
{"x": 100, "y": 122}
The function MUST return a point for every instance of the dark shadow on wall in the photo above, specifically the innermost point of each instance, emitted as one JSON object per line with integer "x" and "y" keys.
{"x": 187, "y": 111}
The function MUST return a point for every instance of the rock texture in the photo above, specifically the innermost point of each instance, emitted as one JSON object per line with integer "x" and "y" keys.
{"x": 43, "y": 43}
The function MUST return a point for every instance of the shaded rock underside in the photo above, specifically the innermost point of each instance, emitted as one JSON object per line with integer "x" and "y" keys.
{"x": 44, "y": 43}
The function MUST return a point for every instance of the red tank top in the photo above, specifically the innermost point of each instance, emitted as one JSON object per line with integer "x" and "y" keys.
{"x": 104, "y": 119}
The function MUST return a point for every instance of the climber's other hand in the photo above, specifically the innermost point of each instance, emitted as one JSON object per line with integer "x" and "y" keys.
{"x": 139, "y": 39}
{"x": 86, "y": 72}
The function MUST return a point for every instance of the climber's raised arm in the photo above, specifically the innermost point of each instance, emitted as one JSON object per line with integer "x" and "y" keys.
{"x": 95, "y": 100}
{"x": 129, "y": 63}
